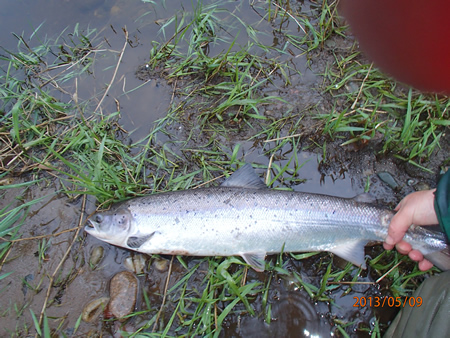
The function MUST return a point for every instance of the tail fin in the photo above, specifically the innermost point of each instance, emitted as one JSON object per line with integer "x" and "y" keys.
{"x": 440, "y": 258}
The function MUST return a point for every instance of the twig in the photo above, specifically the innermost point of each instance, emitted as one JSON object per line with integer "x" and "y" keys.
{"x": 351, "y": 283}
{"x": 47, "y": 296}
{"x": 51, "y": 79}
{"x": 5, "y": 257}
{"x": 298, "y": 23}
{"x": 360, "y": 88}
{"x": 165, "y": 295}
{"x": 387, "y": 273}
{"x": 39, "y": 237}
{"x": 369, "y": 283}
{"x": 268, "y": 168}
{"x": 115, "y": 70}
{"x": 207, "y": 182}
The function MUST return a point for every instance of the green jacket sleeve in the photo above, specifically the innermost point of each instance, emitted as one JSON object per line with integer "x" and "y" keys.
{"x": 442, "y": 203}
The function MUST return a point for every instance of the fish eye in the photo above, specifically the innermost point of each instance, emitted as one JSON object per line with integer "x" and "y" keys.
{"x": 98, "y": 218}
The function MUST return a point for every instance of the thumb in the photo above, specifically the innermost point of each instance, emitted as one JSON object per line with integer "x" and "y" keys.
{"x": 400, "y": 223}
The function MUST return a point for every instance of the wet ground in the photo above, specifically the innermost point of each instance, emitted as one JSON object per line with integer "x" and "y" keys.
{"x": 145, "y": 96}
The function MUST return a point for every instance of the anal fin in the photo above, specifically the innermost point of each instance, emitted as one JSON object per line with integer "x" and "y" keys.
{"x": 352, "y": 251}
{"x": 255, "y": 259}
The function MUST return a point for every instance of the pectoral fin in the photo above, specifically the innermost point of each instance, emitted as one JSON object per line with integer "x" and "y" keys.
{"x": 352, "y": 252}
{"x": 135, "y": 242}
{"x": 255, "y": 259}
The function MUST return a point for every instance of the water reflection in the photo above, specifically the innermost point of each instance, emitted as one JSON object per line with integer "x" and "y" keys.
{"x": 292, "y": 314}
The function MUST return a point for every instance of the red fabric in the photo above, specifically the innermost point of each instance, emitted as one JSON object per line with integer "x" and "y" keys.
{"x": 408, "y": 39}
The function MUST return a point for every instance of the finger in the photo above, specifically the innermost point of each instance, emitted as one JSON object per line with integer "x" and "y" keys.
{"x": 397, "y": 208}
{"x": 415, "y": 255}
{"x": 425, "y": 265}
{"x": 403, "y": 247}
{"x": 400, "y": 223}
{"x": 388, "y": 246}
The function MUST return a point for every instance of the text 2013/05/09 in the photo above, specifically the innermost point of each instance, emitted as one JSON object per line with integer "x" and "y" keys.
{"x": 387, "y": 301}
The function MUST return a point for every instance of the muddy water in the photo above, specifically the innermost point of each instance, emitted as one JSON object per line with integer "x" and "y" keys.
{"x": 142, "y": 101}
{"x": 140, "y": 107}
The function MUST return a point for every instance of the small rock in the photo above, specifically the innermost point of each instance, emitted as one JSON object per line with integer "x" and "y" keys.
{"x": 411, "y": 182}
{"x": 330, "y": 44}
{"x": 421, "y": 186}
{"x": 388, "y": 179}
{"x": 27, "y": 279}
{"x": 123, "y": 293}
{"x": 93, "y": 309}
{"x": 135, "y": 263}
{"x": 96, "y": 256}
{"x": 161, "y": 264}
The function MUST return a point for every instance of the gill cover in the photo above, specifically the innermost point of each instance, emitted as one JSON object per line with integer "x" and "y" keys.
{"x": 111, "y": 226}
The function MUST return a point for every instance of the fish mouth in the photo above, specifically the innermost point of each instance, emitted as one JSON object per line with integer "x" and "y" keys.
{"x": 90, "y": 227}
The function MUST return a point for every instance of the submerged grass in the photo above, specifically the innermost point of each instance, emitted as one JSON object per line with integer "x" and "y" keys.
{"x": 219, "y": 87}
{"x": 11, "y": 220}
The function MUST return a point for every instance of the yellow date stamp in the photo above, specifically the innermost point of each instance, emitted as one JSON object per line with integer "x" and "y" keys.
{"x": 387, "y": 301}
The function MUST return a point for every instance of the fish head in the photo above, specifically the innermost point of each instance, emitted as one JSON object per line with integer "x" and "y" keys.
{"x": 111, "y": 226}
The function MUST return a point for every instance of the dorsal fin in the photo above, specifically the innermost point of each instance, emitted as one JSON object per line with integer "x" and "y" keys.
{"x": 244, "y": 177}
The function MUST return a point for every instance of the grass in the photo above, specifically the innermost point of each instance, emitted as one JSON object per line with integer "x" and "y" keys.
{"x": 223, "y": 98}
{"x": 410, "y": 123}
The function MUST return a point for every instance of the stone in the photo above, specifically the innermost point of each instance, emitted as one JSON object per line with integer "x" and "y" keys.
{"x": 123, "y": 293}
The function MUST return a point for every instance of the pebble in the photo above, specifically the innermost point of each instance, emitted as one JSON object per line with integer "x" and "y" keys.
{"x": 330, "y": 44}
{"x": 411, "y": 182}
{"x": 96, "y": 256}
{"x": 135, "y": 263}
{"x": 388, "y": 179}
{"x": 161, "y": 264}
{"x": 123, "y": 293}
{"x": 93, "y": 309}
{"x": 421, "y": 186}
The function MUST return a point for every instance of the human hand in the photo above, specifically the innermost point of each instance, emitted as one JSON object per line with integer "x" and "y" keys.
{"x": 416, "y": 208}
